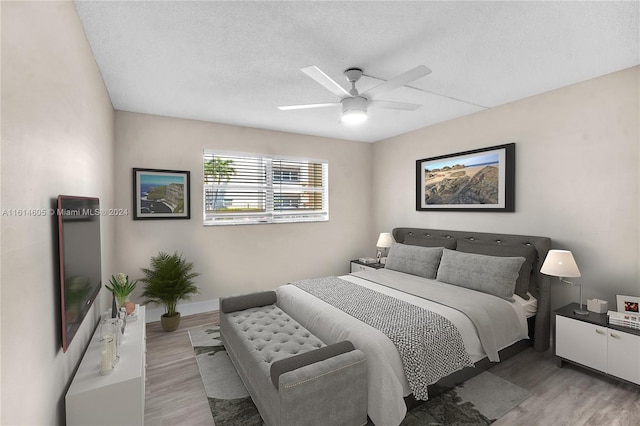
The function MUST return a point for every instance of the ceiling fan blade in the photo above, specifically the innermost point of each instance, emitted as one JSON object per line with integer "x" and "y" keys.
{"x": 394, "y": 105}
{"x": 318, "y": 75}
{"x": 290, "y": 107}
{"x": 394, "y": 83}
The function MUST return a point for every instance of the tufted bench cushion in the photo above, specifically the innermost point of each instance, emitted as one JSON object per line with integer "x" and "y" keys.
{"x": 271, "y": 335}
{"x": 292, "y": 376}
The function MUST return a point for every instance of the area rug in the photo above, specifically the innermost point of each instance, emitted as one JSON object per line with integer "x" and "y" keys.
{"x": 479, "y": 401}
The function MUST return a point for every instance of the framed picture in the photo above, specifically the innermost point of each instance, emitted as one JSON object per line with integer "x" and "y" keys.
{"x": 161, "y": 194}
{"x": 628, "y": 304}
{"x": 478, "y": 180}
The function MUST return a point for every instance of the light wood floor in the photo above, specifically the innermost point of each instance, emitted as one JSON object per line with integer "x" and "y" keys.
{"x": 174, "y": 391}
{"x": 569, "y": 396}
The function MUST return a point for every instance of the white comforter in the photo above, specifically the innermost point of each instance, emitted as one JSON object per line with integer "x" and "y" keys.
{"x": 387, "y": 384}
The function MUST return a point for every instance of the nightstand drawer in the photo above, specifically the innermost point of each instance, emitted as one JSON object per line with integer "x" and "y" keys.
{"x": 357, "y": 266}
{"x": 623, "y": 351}
{"x": 582, "y": 342}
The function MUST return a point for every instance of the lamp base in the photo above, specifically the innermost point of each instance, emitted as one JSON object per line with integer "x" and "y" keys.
{"x": 580, "y": 312}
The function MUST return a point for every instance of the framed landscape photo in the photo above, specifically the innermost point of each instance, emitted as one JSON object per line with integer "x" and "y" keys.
{"x": 478, "y": 180}
{"x": 628, "y": 304}
{"x": 161, "y": 194}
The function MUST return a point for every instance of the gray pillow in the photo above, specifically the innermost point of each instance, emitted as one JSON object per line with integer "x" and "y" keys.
{"x": 488, "y": 274}
{"x": 504, "y": 250}
{"x": 415, "y": 240}
{"x": 414, "y": 260}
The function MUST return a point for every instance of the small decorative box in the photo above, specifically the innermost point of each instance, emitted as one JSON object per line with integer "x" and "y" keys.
{"x": 597, "y": 306}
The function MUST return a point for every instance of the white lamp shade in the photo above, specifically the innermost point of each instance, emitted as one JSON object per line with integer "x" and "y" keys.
{"x": 385, "y": 240}
{"x": 354, "y": 116}
{"x": 560, "y": 263}
{"x": 354, "y": 110}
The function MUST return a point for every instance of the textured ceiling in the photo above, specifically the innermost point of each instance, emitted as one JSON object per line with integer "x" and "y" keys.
{"x": 235, "y": 62}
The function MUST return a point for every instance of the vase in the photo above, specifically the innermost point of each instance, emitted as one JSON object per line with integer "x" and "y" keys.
{"x": 110, "y": 333}
{"x": 122, "y": 300}
{"x": 106, "y": 355}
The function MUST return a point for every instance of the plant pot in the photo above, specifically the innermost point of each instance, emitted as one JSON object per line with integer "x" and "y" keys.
{"x": 170, "y": 323}
{"x": 130, "y": 307}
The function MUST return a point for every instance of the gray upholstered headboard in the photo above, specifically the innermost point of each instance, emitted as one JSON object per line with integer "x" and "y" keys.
{"x": 539, "y": 284}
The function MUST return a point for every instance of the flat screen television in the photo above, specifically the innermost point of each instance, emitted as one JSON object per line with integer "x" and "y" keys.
{"x": 80, "y": 260}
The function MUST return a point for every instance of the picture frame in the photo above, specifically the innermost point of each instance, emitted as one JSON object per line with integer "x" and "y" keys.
{"x": 481, "y": 180}
{"x": 161, "y": 194}
{"x": 628, "y": 304}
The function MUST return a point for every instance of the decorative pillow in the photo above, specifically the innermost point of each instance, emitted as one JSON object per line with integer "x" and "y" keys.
{"x": 488, "y": 274}
{"x": 414, "y": 260}
{"x": 501, "y": 250}
{"x": 416, "y": 240}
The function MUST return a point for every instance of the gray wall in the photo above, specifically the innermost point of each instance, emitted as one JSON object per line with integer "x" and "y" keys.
{"x": 241, "y": 258}
{"x": 57, "y": 138}
{"x": 577, "y": 182}
{"x": 577, "y": 177}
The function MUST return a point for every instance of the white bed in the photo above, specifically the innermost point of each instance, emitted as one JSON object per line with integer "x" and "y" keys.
{"x": 387, "y": 382}
{"x": 521, "y": 308}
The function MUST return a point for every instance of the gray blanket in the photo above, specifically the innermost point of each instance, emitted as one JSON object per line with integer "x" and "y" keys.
{"x": 488, "y": 313}
{"x": 429, "y": 345}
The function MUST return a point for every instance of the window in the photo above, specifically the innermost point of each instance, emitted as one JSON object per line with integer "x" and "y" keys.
{"x": 241, "y": 188}
{"x": 286, "y": 175}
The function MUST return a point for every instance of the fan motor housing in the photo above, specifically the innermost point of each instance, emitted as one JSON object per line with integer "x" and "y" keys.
{"x": 353, "y": 74}
{"x": 356, "y": 103}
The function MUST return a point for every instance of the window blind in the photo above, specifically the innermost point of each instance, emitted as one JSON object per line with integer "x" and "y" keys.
{"x": 242, "y": 188}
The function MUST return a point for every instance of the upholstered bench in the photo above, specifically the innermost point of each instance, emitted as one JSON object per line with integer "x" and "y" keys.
{"x": 292, "y": 376}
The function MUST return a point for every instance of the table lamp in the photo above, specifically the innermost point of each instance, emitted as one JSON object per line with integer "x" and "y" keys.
{"x": 561, "y": 264}
{"x": 385, "y": 240}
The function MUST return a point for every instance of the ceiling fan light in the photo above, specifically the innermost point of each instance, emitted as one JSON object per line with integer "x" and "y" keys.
{"x": 354, "y": 110}
{"x": 354, "y": 116}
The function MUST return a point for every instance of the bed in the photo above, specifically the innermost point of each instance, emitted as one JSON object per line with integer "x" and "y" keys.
{"x": 477, "y": 299}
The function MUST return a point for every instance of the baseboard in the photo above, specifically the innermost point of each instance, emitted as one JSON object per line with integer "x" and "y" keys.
{"x": 185, "y": 309}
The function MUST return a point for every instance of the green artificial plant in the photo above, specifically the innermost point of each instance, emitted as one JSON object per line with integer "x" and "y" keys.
{"x": 121, "y": 287}
{"x": 168, "y": 280}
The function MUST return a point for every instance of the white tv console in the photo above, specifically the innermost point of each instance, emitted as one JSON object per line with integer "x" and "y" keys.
{"x": 116, "y": 398}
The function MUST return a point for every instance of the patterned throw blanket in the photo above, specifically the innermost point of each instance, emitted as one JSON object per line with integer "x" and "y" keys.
{"x": 430, "y": 346}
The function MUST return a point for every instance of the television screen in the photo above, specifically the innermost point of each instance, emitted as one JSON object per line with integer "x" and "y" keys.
{"x": 80, "y": 265}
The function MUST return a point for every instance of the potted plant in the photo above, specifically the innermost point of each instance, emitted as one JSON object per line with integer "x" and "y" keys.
{"x": 168, "y": 280}
{"x": 121, "y": 288}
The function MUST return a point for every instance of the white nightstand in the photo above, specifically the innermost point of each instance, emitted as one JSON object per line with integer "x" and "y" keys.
{"x": 588, "y": 340}
{"x": 356, "y": 266}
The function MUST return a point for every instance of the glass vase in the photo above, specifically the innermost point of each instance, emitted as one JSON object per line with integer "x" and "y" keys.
{"x": 110, "y": 331}
{"x": 121, "y": 301}
{"x": 106, "y": 359}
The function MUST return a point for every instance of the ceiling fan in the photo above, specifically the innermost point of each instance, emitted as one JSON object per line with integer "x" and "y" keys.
{"x": 355, "y": 104}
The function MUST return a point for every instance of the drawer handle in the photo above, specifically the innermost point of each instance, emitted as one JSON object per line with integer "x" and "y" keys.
{"x": 615, "y": 336}
{"x": 599, "y": 331}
